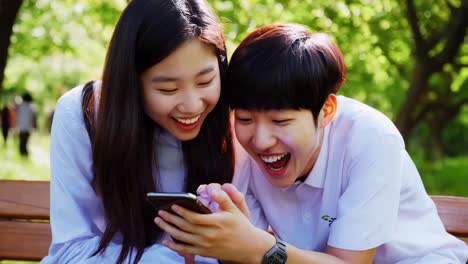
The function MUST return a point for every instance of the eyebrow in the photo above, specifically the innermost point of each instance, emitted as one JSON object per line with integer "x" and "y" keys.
{"x": 172, "y": 79}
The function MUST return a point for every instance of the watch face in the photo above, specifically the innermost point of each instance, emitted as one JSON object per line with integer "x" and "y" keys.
{"x": 276, "y": 258}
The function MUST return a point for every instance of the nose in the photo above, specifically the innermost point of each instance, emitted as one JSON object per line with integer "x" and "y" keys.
{"x": 191, "y": 102}
{"x": 263, "y": 138}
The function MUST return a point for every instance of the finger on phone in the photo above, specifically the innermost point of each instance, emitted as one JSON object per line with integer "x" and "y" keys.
{"x": 222, "y": 198}
{"x": 237, "y": 197}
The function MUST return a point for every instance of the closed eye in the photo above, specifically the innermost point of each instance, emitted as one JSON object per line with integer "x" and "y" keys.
{"x": 282, "y": 121}
{"x": 203, "y": 84}
{"x": 244, "y": 120}
{"x": 167, "y": 91}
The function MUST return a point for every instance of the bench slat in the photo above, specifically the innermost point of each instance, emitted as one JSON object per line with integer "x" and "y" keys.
{"x": 24, "y": 199}
{"x": 24, "y": 240}
{"x": 453, "y": 212}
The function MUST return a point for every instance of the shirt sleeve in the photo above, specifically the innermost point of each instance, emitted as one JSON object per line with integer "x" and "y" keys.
{"x": 368, "y": 207}
{"x": 76, "y": 213}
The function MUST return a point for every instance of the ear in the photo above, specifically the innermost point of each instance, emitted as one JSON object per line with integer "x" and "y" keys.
{"x": 328, "y": 111}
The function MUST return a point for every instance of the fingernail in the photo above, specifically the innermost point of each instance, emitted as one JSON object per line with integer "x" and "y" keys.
{"x": 157, "y": 220}
{"x": 162, "y": 213}
{"x": 175, "y": 208}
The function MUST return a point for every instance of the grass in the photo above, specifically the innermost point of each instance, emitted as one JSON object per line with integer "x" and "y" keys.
{"x": 35, "y": 167}
{"x": 445, "y": 177}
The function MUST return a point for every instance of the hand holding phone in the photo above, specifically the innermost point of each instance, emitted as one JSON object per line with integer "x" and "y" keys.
{"x": 164, "y": 201}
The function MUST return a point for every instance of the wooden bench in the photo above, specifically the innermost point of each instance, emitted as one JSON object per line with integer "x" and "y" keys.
{"x": 25, "y": 229}
{"x": 453, "y": 211}
{"x": 24, "y": 220}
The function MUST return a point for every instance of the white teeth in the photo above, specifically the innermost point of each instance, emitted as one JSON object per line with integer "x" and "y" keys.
{"x": 271, "y": 159}
{"x": 188, "y": 121}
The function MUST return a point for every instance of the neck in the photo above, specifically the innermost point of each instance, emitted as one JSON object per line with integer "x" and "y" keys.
{"x": 314, "y": 156}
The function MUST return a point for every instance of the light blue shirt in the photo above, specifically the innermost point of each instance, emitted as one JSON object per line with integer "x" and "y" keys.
{"x": 76, "y": 211}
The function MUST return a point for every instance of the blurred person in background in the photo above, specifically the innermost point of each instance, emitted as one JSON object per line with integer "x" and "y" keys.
{"x": 25, "y": 122}
{"x": 5, "y": 120}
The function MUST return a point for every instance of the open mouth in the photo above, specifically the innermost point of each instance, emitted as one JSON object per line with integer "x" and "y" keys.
{"x": 276, "y": 164}
{"x": 187, "y": 123}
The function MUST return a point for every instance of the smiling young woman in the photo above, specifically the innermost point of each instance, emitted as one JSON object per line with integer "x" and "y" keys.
{"x": 157, "y": 122}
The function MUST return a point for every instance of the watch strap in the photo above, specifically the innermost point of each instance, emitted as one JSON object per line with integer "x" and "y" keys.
{"x": 277, "y": 254}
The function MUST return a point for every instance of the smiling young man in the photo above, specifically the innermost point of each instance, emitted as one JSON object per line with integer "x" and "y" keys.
{"x": 328, "y": 174}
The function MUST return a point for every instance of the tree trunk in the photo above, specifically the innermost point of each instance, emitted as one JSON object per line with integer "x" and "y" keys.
{"x": 434, "y": 146}
{"x": 417, "y": 88}
{"x": 8, "y": 11}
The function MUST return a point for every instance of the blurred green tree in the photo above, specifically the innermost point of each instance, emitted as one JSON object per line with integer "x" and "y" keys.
{"x": 432, "y": 96}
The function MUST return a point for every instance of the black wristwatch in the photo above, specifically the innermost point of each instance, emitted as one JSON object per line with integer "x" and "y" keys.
{"x": 277, "y": 254}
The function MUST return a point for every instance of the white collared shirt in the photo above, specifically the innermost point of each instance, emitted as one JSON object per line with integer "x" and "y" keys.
{"x": 363, "y": 192}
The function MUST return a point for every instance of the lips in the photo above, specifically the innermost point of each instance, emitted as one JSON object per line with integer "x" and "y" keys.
{"x": 187, "y": 123}
{"x": 276, "y": 165}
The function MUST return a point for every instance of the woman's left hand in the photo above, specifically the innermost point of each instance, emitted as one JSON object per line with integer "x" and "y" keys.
{"x": 226, "y": 234}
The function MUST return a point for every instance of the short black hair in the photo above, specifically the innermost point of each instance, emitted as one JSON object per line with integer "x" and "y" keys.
{"x": 284, "y": 66}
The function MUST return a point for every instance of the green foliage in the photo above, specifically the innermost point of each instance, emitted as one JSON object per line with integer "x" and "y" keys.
{"x": 57, "y": 45}
{"x": 454, "y": 137}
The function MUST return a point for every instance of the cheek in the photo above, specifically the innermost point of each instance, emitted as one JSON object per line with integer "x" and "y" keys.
{"x": 242, "y": 134}
{"x": 291, "y": 143}
{"x": 306, "y": 137}
{"x": 212, "y": 94}
{"x": 157, "y": 105}
{"x": 297, "y": 142}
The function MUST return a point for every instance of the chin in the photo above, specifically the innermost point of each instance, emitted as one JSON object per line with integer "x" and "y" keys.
{"x": 187, "y": 135}
{"x": 280, "y": 183}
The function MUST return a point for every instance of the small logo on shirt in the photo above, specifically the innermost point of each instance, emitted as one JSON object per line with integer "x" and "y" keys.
{"x": 329, "y": 219}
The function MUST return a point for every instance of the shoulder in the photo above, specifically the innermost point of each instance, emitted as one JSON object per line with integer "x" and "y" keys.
{"x": 358, "y": 124}
{"x": 68, "y": 109}
{"x": 71, "y": 101}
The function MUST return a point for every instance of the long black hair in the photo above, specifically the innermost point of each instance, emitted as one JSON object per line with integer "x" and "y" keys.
{"x": 284, "y": 66}
{"x": 122, "y": 141}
